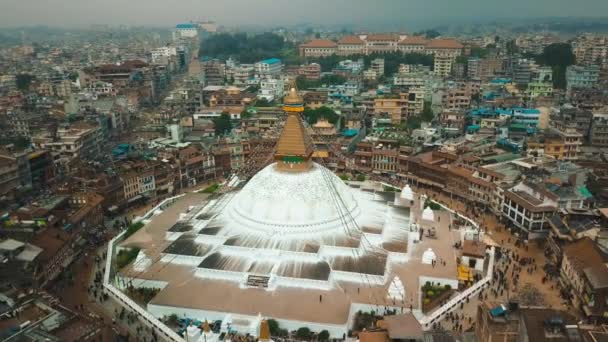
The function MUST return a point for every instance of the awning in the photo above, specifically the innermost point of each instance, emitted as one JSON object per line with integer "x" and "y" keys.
{"x": 498, "y": 311}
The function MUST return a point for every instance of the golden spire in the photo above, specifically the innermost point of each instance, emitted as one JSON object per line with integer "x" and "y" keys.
{"x": 264, "y": 331}
{"x": 294, "y": 148}
{"x": 206, "y": 328}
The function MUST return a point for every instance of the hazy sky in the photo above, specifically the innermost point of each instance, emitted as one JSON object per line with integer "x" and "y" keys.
{"x": 401, "y": 13}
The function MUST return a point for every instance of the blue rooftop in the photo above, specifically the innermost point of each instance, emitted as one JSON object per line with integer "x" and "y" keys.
{"x": 501, "y": 81}
{"x": 271, "y": 61}
{"x": 185, "y": 26}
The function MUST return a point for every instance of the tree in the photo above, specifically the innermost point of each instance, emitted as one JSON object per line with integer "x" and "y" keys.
{"x": 313, "y": 115}
{"x": 23, "y": 81}
{"x": 273, "y": 325}
{"x": 324, "y": 335}
{"x": 245, "y": 48}
{"x": 304, "y": 83}
{"x": 303, "y": 333}
{"x": 223, "y": 125}
{"x": 427, "y": 113}
{"x": 262, "y": 102}
{"x": 511, "y": 47}
{"x": 558, "y": 56}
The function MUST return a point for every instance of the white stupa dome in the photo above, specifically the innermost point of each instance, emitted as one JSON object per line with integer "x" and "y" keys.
{"x": 428, "y": 214}
{"x": 428, "y": 256}
{"x": 407, "y": 193}
{"x": 284, "y": 203}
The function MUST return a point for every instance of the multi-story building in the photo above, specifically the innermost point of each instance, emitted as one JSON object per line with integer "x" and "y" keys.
{"x": 599, "y": 130}
{"x": 71, "y": 144}
{"x": 380, "y": 43}
{"x": 579, "y": 119}
{"x": 214, "y": 72}
{"x": 415, "y": 44}
{"x": 241, "y": 75}
{"x": 350, "y": 45}
{"x": 582, "y": 273}
{"x": 453, "y": 122}
{"x": 395, "y": 108}
{"x": 377, "y": 66}
{"x": 527, "y": 207}
{"x": 578, "y": 76}
{"x": 318, "y": 48}
{"x": 269, "y": 67}
{"x": 271, "y": 89}
{"x": 157, "y": 54}
{"x": 561, "y": 145}
{"x": 591, "y": 49}
{"x": 186, "y": 30}
{"x": 444, "y": 47}
{"x": 310, "y": 71}
{"x": 9, "y": 175}
{"x": 443, "y": 65}
{"x": 459, "y": 98}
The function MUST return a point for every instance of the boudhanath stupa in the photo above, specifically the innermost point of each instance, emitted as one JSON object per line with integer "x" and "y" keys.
{"x": 294, "y": 243}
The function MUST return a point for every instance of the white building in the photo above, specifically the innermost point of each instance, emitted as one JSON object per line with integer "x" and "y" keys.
{"x": 271, "y": 89}
{"x": 162, "y": 52}
{"x": 185, "y": 31}
{"x": 269, "y": 67}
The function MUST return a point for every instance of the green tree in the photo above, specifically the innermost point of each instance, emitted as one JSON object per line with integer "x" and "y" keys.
{"x": 273, "y": 325}
{"x": 427, "y": 113}
{"x": 333, "y": 79}
{"x": 245, "y": 48}
{"x": 262, "y": 102}
{"x": 303, "y": 333}
{"x": 23, "y": 81}
{"x": 511, "y": 47}
{"x": 223, "y": 125}
{"x": 324, "y": 335}
{"x": 304, "y": 83}
{"x": 558, "y": 56}
{"x": 313, "y": 115}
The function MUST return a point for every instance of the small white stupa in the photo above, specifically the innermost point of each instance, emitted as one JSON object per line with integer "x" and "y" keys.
{"x": 396, "y": 291}
{"x": 428, "y": 256}
{"x": 407, "y": 193}
{"x": 193, "y": 333}
{"x": 428, "y": 214}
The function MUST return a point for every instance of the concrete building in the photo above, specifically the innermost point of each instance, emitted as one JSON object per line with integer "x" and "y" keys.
{"x": 443, "y": 65}
{"x": 350, "y": 45}
{"x": 319, "y": 48}
{"x": 527, "y": 207}
{"x": 271, "y": 89}
{"x": 578, "y": 76}
{"x": 599, "y": 130}
{"x": 268, "y": 67}
{"x": 377, "y": 66}
{"x": 186, "y": 30}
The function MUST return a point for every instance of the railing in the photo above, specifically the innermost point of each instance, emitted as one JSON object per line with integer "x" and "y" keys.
{"x": 461, "y": 298}
{"x": 127, "y": 303}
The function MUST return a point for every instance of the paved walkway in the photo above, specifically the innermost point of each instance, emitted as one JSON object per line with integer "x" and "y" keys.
{"x": 516, "y": 275}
